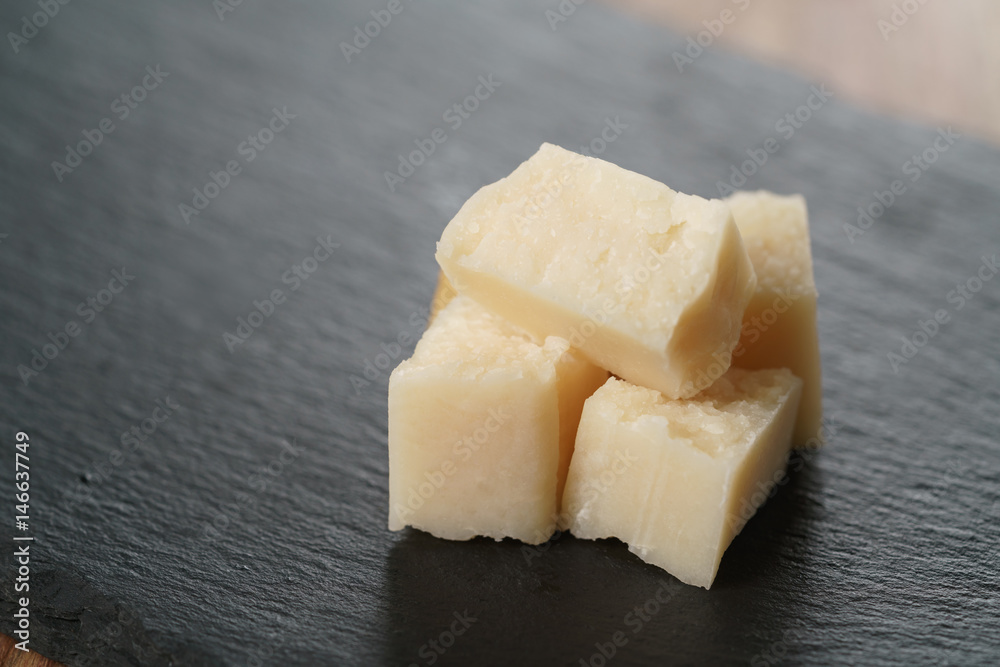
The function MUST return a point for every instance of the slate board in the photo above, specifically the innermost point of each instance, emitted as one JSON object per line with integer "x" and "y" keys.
{"x": 883, "y": 549}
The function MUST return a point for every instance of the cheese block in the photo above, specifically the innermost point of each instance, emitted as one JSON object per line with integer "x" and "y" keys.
{"x": 677, "y": 480}
{"x": 779, "y": 326}
{"x": 482, "y": 422}
{"x": 646, "y": 282}
{"x": 578, "y": 379}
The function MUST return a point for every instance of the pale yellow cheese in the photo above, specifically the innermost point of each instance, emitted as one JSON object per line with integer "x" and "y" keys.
{"x": 648, "y": 283}
{"x": 577, "y": 377}
{"x": 443, "y": 294}
{"x": 779, "y": 326}
{"x": 677, "y": 479}
{"x": 481, "y": 427}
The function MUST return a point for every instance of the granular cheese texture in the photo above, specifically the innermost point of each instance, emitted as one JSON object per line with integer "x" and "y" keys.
{"x": 482, "y": 423}
{"x": 646, "y": 282}
{"x": 779, "y": 326}
{"x": 676, "y": 480}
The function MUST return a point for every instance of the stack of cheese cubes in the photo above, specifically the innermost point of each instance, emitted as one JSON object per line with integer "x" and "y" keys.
{"x": 507, "y": 420}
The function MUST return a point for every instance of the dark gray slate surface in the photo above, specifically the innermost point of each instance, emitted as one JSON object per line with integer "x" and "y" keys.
{"x": 883, "y": 549}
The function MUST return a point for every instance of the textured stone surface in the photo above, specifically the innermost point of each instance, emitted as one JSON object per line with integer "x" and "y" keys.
{"x": 882, "y": 549}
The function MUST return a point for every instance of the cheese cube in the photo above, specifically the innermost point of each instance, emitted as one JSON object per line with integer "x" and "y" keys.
{"x": 578, "y": 379}
{"x": 677, "y": 479}
{"x": 779, "y": 326}
{"x": 481, "y": 428}
{"x": 646, "y": 282}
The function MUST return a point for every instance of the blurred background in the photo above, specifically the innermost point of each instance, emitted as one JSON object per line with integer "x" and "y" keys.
{"x": 333, "y": 581}
{"x": 943, "y": 68}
